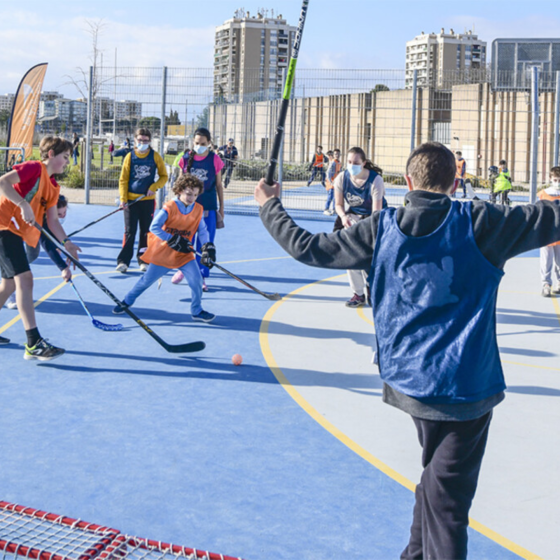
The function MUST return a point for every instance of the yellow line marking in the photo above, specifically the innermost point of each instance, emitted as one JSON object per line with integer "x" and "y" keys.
{"x": 36, "y": 304}
{"x": 366, "y": 455}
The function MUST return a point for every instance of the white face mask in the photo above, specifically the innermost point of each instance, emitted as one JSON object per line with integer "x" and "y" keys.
{"x": 142, "y": 147}
{"x": 354, "y": 169}
{"x": 200, "y": 149}
{"x": 61, "y": 220}
{"x": 555, "y": 183}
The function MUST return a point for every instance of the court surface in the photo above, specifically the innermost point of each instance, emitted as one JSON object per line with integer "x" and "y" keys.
{"x": 290, "y": 455}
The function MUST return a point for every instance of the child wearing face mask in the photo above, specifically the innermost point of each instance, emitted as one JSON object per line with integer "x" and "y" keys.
{"x": 203, "y": 163}
{"x": 138, "y": 178}
{"x": 550, "y": 255}
{"x": 358, "y": 192}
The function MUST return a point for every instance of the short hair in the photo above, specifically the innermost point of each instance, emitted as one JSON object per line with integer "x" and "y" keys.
{"x": 56, "y": 144}
{"x": 319, "y": 147}
{"x": 143, "y": 132}
{"x": 503, "y": 162}
{"x": 458, "y": 153}
{"x": 330, "y": 153}
{"x": 555, "y": 171}
{"x": 432, "y": 167}
{"x": 187, "y": 181}
{"x": 62, "y": 201}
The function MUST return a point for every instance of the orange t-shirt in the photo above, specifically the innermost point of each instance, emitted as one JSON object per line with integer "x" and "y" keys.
{"x": 186, "y": 225}
{"x": 337, "y": 167}
{"x": 42, "y": 196}
{"x": 543, "y": 195}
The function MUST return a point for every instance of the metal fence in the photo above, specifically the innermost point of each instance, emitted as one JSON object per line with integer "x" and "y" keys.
{"x": 378, "y": 110}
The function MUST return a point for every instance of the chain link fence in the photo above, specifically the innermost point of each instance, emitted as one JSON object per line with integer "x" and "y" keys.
{"x": 385, "y": 112}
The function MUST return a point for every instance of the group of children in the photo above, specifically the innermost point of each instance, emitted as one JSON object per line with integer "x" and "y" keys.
{"x": 30, "y": 195}
{"x": 328, "y": 167}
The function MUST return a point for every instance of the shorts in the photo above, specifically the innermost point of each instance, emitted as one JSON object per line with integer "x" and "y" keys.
{"x": 13, "y": 258}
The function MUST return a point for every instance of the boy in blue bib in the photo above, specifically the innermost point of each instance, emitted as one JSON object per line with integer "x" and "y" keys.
{"x": 435, "y": 265}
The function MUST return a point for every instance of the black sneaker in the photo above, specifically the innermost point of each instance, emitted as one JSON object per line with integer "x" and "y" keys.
{"x": 4, "y": 340}
{"x": 42, "y": 351}
{"x": 119, "y": 309}
{"x": 204, "y": 316}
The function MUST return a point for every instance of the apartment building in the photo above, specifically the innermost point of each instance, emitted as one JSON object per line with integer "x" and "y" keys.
{"x": 445, "y": 59}
{"x": 250, "y": 56}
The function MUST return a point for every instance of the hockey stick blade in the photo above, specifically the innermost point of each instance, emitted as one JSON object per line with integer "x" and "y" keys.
{"x": 97, "y": 324}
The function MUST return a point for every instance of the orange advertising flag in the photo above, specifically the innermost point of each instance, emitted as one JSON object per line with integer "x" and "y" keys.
{"x": 24, "y": 113}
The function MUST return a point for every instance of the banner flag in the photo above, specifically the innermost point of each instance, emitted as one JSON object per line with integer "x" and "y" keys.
{"x": 21, "y": 125}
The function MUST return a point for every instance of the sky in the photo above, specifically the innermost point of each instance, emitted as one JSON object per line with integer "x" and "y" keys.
{"x": 341, "y": 34}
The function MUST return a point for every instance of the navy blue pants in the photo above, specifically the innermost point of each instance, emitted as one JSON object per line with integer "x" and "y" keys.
{"x": 451, "y": 456}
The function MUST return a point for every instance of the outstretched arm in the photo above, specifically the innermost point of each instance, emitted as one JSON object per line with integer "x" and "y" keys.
{"x": 347, "y": 249}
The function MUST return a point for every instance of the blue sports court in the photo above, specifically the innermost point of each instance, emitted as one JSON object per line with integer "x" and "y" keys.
{"x": 291, "y": 454}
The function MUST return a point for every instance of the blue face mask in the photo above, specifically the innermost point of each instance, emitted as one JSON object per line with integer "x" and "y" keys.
{"x": 354, "y": 169}
{"x": 200, "y": 149}
{"x": 142, "y": 147}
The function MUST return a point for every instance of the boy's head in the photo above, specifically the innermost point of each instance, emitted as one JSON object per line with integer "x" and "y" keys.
{"x": 319, "y": 149}
{"x": 458, "y": 155}
{"x": 52, "y": 146}
{"x": 503, "y": 164}
{"x": 330, "y": 154}
{"x": 555, "y": 175}
{"x": 336, "y": 154}
{"x": 143, "y": 138}
{"x": 187, "y": 187}
{"x": 431, "y": 167}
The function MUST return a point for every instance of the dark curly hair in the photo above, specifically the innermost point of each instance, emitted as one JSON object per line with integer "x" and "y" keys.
{"x": 187, "y": 181}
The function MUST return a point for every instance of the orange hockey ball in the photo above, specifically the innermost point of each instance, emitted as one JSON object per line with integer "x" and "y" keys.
{"x": 236, "y": 359}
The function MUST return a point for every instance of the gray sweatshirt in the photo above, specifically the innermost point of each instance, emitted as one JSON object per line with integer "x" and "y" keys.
{"x": 500, "y": 233}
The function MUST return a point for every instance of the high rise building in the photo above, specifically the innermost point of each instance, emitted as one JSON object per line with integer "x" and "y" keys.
{"x": 445, "y": 59}
{"x": 250, "y": 56}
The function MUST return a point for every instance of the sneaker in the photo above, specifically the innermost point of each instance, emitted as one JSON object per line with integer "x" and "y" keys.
{"x": 119, "y": 309}
{"x": 546, "y": 291}
{"x": 204, "y": 286}
{"x": 122, "y": 268}
{"x": 356, "y": 301}
{"x": 11, "y": 303}
{"x": 143, "y": 267}
{"x": 331, "y": 212}
{"x": 555, "y": 290}
{"x": 327, "y": 213}
{"x": 4, "y": 340}
{"x": 177, "y": 277}
{"x": 42, "y": 351}
{"x": 204, "y": 316}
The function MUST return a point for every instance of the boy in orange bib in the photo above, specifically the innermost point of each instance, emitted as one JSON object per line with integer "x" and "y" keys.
{"x": 170, "y": 246}
{"x": 28, "y": 193}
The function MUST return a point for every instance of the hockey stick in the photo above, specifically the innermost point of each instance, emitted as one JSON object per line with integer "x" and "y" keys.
{"x": 95, "y": 322}
{"x": 173, "y": 348}
{"x": 286, "y": 96}
{"x": 107, "y": 215}
{"x": 271, "y": 297}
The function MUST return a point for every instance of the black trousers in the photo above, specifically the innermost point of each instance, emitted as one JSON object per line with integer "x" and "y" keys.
{"x": 139, "y": 214}
{"x": 451, "y": 457}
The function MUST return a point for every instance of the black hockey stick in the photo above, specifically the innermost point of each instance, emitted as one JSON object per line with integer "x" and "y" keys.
{"x": 107, "y": 215}
{"x": 286, "y": 96}
{"x": 97, "y": 324}
{"x": 173, "y": 348}
{"x": 271, "y": 297}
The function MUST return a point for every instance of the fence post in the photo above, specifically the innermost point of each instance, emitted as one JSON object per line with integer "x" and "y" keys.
{"x": 557, "y": 121}
{"x": 534, "y": 133}
{"x": 413, "y": 116}
{"x": 161, "y": 192}
{"x": 89, "y": 147}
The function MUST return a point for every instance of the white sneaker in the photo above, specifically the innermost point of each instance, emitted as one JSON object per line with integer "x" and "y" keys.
{"x": 121, "y": 267}
{"x": 556, "y": 290}
{"x": 11, "y": 303}
{"x": 327, "y": 212}
{"x": 143, "y": 267}
{"x": 546, "y": 291}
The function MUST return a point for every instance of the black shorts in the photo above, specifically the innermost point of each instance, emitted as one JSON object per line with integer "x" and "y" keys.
{"x": 13, "y": 258}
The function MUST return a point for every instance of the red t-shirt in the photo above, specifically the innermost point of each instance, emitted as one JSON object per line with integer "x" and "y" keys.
{"x": 29, "y": 172}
